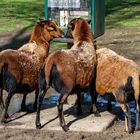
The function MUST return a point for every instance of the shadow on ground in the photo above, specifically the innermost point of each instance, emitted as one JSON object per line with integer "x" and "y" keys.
{"x": 14, "y": 40}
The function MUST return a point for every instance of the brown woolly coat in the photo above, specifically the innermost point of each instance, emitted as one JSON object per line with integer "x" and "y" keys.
{"x": 69, "y": 70}
{"x": 85, "y": 59}
{"x": 25, "y": 63}
{"x": 77, "y": 65}
{"x": 113, "y": 71}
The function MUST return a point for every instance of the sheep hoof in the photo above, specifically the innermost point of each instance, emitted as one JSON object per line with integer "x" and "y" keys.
{"x": 6, "y": 116}
{"x": 3, "y": 121}
{"x": 38, "y": 126}
{"x": 65, "y": 128}
{"x": 131, "y": 130}
{"x": 97, "y": 114}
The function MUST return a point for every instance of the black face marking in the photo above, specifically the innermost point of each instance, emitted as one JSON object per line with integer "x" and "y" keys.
{"x": 57, "y": 82}
{"x": 72, "y": 26}
{"x": 126, "y": 93}
{"x": 89, "y": 21}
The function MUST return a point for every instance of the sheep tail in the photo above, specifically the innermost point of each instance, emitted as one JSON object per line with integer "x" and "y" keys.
{"x": 48, "y": 71}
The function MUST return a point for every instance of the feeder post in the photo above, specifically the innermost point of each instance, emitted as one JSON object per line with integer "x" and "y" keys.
{"x": 92, "y": 15}
{"x": 46, "y": 9}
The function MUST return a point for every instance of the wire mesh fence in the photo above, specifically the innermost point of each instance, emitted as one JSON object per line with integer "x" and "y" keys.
{"x": 65, "y": 10}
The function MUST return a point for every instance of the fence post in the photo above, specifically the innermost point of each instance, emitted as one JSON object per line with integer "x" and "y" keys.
{"x": 46, "y": 9}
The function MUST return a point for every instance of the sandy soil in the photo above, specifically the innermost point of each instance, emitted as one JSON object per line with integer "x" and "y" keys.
{"x": 125, "y": 42}
{"x": 113, "y": 133}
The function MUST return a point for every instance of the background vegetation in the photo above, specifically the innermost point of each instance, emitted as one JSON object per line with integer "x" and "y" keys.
{"x": 18, "y": 14}
{"x": 123, "y": 12}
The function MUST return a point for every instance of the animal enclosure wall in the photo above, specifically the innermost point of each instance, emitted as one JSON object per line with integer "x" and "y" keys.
{"x": 62, "y": 11}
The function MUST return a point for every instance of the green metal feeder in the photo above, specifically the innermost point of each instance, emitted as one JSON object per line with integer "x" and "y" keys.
{"x": 62, "y": 11}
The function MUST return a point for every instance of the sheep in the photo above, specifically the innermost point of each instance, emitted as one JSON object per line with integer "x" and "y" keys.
{"x": 19, "y": 68}
{"x": 69, "y": 70}
{"x": 118, "y": 77}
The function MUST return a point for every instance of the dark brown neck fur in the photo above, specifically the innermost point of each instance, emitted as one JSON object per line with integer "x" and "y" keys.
{"x": 40, "y": 38}
{"x": 83, "y": 32}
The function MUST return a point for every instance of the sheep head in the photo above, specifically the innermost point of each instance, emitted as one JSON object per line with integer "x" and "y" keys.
{"x": 45, "y": 30}
{"x": 79, "y": 27}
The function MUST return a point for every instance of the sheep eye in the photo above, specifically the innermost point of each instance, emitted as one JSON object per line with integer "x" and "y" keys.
{"x": 52, "y": 28}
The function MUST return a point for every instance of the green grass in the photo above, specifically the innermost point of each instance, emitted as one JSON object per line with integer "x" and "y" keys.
{"x": 123, "y": 12}
{"x": 22, "y": 14}
{"x": 17, "y": 14}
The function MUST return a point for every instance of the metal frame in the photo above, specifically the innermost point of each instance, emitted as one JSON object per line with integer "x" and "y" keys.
{"x": 46, "y": 9}
{"x": 92, "y": 13}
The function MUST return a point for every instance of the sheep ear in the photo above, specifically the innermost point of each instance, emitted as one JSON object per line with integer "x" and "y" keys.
{"x": 41, "y": 23}
{"x": 88, "y": 21}
{"x": 44, "y": 21}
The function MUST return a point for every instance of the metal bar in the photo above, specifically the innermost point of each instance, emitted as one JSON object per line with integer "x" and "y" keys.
{"x": 92, "y": 15}
{"x": 64, "y": 40}
{"x": 46, "y": 9}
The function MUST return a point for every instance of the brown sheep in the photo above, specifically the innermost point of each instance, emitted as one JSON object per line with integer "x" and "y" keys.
{"x": 19, "y": 68}
{"x": 70, "y": 70}
{"x": 118, "y": 76}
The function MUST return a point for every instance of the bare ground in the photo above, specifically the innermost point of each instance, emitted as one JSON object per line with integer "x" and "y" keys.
{"x": 125, "y": 41}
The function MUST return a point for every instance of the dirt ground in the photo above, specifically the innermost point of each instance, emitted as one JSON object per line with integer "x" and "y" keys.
{"x": 126, "y": 42}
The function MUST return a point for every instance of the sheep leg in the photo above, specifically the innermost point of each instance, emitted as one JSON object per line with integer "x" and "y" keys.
{"x": 109, "y": 106}
{"x": 126, "y": 111}
{"x": 4, "y": 113}
{"x": 94, "y": 96}
{"x": 23, "y": 104}
{"x": 39, "y": 102}
{"x": 61, "y": 101}
{"x": 36, "y": 97}
{"x": 137, "y": 115}
{"x": 1, "y": 98}
{"x": 79, "y": 109}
